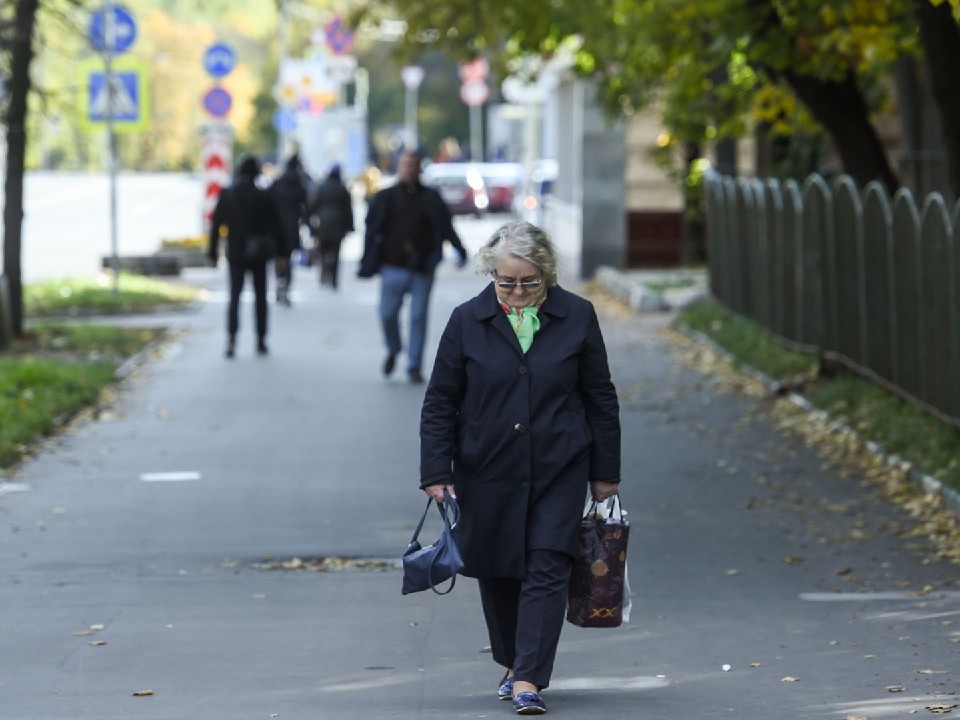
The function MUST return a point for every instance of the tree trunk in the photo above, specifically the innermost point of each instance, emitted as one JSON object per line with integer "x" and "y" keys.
{"x": 21, "y": 56}
{"x": 940, "y": 37}
{"x": 693, "y": 250}
{"x": 839, "y": 106}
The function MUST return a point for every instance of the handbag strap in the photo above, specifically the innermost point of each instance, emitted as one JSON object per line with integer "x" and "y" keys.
{"x": 449, "y": 511}
{"x": 416, "y": 533}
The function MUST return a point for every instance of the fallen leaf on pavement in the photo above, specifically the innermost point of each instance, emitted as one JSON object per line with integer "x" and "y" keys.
{"x": 143, "y": 693}
{"x": 894, "y": 688}
{"x": 97, "y": 643}
{"x": 789, "y": 678}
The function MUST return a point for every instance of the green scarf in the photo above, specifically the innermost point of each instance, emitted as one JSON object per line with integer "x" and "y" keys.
{"x": 525, "y": 323}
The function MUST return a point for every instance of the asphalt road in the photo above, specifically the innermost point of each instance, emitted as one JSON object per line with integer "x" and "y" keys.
{"x": 768, "y": 582}
{"x": 67, "y": 221}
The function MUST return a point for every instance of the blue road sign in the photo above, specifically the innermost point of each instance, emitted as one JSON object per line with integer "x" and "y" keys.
{"x": 126, "y": 100}
{"x": 219, "y": 60}
{"x": 217, "y": 102}
{"x": 284, "y": 121}
{"x": 124, "y": 30}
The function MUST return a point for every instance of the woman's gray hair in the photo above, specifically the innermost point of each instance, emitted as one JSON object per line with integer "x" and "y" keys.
{"x": 525, "y": 241}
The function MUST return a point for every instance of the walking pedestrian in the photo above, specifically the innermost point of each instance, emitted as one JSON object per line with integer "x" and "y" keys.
{"x": 406, "y": 227}
{"x": 330, "y": 215}
{"x": 250, "y": 218}
{"x": 520, "y": 418}
{"x": 290, "y": 195}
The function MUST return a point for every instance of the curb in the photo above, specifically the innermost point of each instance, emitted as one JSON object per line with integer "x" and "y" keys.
{"x": 642, "y": 298}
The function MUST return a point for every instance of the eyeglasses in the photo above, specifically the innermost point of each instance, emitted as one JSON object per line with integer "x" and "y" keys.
{"x": 524, "y": 285}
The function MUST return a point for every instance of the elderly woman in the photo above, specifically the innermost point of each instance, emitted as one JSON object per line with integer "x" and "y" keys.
{"x": 519, "y": 419}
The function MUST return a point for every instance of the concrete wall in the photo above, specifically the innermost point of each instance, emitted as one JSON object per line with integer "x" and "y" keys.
{"x": 603, "y": 222}
{"x": 586, "y": 212}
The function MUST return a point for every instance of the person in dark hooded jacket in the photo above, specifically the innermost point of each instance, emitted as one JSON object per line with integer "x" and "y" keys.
{"x": 290, "y": 196}
{"x": 330, "y": 214}
{"x": 250, "y": 218}
{"x": 520, "y": 421}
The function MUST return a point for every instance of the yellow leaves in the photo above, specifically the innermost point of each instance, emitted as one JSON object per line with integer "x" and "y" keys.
{"x": 941, "y": 709}
{"x": 143, "y": 693}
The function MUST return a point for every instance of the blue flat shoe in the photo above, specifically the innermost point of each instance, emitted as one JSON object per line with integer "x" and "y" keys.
{"x": 529, "y": 703}
{"x": 505, "y": 691}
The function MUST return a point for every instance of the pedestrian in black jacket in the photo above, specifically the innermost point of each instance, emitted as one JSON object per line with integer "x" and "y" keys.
{"x": 330, "y": 214}
{"x": 290, "y": 195}
{"x": 520, "y": 419}
{"x": 406, "y": 227}
{"x": 249, "y": 216}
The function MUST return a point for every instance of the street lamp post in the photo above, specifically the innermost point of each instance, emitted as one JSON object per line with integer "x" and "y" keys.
{"x": 412, "y": 76}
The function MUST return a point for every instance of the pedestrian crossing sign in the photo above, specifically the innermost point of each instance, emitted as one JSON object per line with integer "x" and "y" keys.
{"x": 128, "y": 95}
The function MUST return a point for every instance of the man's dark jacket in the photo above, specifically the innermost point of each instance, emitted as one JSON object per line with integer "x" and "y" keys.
{"x": 519, "y": 435}
{"x": 377, "y": 223}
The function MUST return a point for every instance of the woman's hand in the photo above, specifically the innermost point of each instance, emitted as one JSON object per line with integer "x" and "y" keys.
{"x": 602, "y": 490}
{"x": 436, "y": 491}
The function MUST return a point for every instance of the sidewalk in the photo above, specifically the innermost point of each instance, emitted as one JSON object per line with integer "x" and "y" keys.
{"x": 159, "y": 521}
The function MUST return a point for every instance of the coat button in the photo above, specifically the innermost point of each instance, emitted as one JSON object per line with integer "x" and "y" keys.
{"x": 523, "y": 370}
{"x": 520, "y": 428}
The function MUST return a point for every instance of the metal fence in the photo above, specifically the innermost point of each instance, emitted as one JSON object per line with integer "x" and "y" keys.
{"x": 852, "y": 275}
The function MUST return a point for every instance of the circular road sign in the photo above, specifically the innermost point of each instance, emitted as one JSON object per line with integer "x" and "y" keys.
{"x": 474, "y": 93}
{"x": 219, "y": 60}
{"x": 124, "y": 30}
{"x": 217, "y": 102}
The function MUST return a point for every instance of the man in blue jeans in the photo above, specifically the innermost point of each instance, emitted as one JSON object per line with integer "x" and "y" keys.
{"x": 406, "y": 227}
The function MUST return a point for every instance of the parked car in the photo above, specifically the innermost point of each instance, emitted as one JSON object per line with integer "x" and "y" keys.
{"x": 502, "y": 181}
{"x": 537, "y": 184}
{"x": 460, "y": 185}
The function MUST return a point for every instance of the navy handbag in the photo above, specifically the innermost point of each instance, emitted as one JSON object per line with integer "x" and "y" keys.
{"x": 427, "y": 567}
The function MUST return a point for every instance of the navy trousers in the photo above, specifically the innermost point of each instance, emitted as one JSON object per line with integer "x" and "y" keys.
{"x": 524, "y": 617}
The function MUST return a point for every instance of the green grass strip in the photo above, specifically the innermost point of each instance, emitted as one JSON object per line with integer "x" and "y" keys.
{"x": 35, "y": 392}
{"x": 89, "y": 296}
{"x": 901, "y": 427}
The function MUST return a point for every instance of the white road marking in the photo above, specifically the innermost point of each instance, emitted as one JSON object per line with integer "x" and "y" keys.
{"x": 15, "y": 487}
{"x": 186, "y": 476}
{"x": 868, "y": 597}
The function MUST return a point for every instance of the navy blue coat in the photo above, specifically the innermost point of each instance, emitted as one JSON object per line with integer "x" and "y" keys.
{"x": 519, "y": 435}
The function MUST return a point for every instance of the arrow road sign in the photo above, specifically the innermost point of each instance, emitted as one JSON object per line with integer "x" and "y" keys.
{"x": 219, "y": 60}
{"x": 124, "y": 30}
